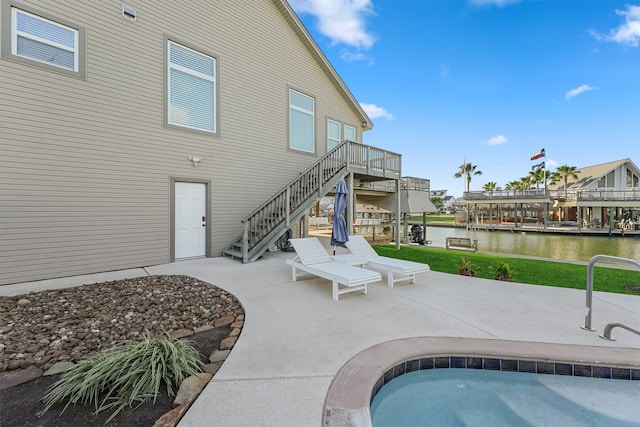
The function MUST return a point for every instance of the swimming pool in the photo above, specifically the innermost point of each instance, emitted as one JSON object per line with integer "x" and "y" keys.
{"x": 473, "y": 397}
{"x": 357, "y": 383}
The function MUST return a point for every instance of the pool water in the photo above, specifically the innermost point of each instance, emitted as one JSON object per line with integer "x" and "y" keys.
{"x": 470, "y": 397}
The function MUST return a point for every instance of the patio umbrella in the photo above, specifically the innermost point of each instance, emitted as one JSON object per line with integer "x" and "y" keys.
{"x": 339, "y": 231}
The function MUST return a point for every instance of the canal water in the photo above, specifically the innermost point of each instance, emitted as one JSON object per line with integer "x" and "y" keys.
{"x": 546, "y": 245}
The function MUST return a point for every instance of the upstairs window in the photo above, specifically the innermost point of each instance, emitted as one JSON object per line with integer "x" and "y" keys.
{"x": 632, "y": 179}
{"x": 191, "y": 88}
{"x": 333, "y": 134}
{"x": 607, "y": 181}
{"x": 349, "y": 133}
{"x": 301, "y": 122}
{"x": 42, "y": 40}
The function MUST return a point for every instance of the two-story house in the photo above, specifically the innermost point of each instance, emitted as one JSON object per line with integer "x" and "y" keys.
{"x": 141, "y": 132}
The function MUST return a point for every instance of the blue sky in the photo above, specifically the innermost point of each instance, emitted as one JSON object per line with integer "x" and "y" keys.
{"x": 489, "y": 81}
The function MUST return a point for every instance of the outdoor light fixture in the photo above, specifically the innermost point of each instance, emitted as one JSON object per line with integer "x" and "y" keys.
{"x": 195, "y": 160}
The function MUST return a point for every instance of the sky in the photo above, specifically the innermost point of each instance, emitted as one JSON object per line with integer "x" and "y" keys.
{"x": 489, "y": 82}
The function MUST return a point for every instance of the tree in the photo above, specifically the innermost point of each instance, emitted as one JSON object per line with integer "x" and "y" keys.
{"x": 537, "y": 177}
{"x": 565, "y": 172}
{"x": 437, "y": 202}
{"x": 491, "y": 186}
{"x": 467, "y": 170}
{"x": 526, "y": 182}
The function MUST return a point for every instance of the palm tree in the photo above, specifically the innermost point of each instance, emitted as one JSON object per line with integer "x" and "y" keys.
{"x": 537, "y": 177}
{"x": 565, "y": 172}
{"x": 467, "y": 169}
{"x": 526, "y": 182}
{"x": 491, "y": 186}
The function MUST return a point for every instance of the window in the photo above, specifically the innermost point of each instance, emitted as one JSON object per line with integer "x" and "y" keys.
{"x": 333, "y": 134}
{"x": 301, "y": 122}
{"x": 191, "y": 89}
{"x": 350, "y": 133}
{"x": 607, "y": 181}
{"x": 36, "y": 38}
{"x": 632, "y": 179}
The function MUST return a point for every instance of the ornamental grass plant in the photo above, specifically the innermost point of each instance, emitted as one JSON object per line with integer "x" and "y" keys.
{"x": 129, "y": 374}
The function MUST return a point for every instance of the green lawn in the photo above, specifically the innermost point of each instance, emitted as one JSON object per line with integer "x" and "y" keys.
{"x": 547, "y": 273}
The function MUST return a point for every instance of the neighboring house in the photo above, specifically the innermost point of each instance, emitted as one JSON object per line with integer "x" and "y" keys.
{"x": 602, "y": 195}
{"x": 448, "y": 203}
{"x": 603, "y": 192}
{"x": 122, "y": 123}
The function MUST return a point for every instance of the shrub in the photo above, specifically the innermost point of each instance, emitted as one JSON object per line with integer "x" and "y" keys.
{"x": 132, "y": 372}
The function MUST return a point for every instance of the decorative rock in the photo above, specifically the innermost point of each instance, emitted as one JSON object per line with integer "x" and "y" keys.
{"x": 237, "y": 324}
{"x": 191, "y": 388}
{"x": 218, "y": 356}
{"x": 182, "y": 333}
{"x": 211, "y": 368}
{"x": 202, "y": 328}
{"x": 10, "y": 379}
{"x": 59, "y": 368}
{"x": 171, "y": 418}
{"x": 224, "y": 321}
{"x": 228, "y": 343}
{"x": 76, "y": 323}
{"x": 235, "y": 332}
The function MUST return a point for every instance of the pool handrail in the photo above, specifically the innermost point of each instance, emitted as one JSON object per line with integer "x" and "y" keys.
{"x": 606, "y": 335}
{"x": 589, "y": 301}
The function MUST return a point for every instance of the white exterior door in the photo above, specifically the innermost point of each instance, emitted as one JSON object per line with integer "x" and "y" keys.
{"x": 190, "y": 220}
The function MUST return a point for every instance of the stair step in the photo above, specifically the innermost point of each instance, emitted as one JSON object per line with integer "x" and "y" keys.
{"x": 232, "y": 253}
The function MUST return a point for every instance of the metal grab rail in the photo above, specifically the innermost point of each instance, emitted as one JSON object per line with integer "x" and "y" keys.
{"x": 607, "y": 330}
{"x": 589, "y": 302}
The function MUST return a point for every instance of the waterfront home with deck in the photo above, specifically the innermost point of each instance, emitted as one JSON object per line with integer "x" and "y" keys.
{"x": 604, "y": 197}
{"x": 142, "y": 133}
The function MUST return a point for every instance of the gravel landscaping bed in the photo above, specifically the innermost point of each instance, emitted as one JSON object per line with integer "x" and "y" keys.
{"x": 38, "y": 330}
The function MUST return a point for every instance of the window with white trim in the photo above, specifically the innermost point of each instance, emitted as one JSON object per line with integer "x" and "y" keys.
{"x": 191, "y": 88}
{"x": 334, "y": 131}
{"x": 301, "y": 122}
{"x": 39, "y": 39}
{"x": 349, "y": 133}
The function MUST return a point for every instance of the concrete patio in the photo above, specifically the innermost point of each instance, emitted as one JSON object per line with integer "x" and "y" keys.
{"x": 296, "y": 338}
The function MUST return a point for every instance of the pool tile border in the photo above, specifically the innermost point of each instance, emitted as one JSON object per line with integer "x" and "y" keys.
{"x": 350, "y": 394}
{"x": 507, "y": 365}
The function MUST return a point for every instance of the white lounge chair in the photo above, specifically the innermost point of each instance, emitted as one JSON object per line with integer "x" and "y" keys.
{"x": 314, "y": 259}
{"x": 407, "y": 270}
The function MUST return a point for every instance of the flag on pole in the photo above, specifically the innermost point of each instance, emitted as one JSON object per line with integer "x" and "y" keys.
{"x": 538, "y": 155}
{"x": 537, "y": 167}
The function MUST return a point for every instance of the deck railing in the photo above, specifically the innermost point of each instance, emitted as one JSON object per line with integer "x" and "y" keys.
{"x": 580, "y": 195}
{"x": 269, "y": 221}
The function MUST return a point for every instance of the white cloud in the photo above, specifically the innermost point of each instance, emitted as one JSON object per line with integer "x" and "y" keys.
{"x": 350, "y": 56}
{"x": 550, "y": 163}
{"x": 627, "y": 33}
{"x": 499, "y": 3}
{"x": 374, "y": 112}
{"x": 343, "y": 21}
{"x": 496, "y": 140}
{"x": 577, "y": 91}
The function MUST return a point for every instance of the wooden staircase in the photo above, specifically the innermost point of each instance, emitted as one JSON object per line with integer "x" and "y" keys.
{"x": 270, "y": 221}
